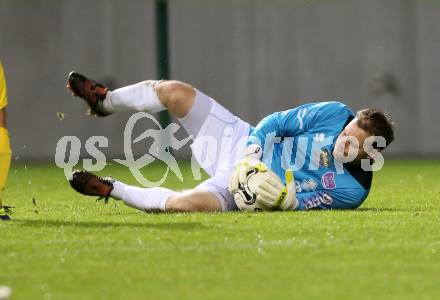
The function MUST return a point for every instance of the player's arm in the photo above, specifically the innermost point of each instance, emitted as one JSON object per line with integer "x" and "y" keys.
{"x": 296, "y": 121}
{"x": 279, "y": 124}
{"x": 287, "y": 123}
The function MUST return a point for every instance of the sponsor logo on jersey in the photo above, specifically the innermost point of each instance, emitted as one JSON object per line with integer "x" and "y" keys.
{"x": 328, "y": 180}
{"x": 326, "y": 199}
{"x": 308, "y": 185}
{"x": 315, "y": 201}
{"x": 324, "y": 158}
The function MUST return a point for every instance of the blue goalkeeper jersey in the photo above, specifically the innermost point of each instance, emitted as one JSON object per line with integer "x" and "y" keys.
{"x": 302, "y": 139}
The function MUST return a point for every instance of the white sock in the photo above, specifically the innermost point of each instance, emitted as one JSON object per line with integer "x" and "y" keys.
{"x": 140, "y": 97}
{"x": 147, "y": 199}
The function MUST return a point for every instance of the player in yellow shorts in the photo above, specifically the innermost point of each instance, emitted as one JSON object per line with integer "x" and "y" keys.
{"x": 5, "y": 149}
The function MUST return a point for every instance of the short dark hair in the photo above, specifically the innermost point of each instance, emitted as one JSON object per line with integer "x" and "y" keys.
{"x": 377, "y": 123}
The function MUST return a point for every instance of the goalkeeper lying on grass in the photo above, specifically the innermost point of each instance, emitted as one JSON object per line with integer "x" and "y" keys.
{"x": 323, "y": 143}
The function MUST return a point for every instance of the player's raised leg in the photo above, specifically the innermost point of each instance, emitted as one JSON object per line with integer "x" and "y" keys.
{"x": 145, "y": 199}
{"x": 149, "y": 96}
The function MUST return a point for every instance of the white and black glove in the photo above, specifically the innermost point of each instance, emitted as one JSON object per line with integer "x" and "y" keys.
{"x": 270, "y": 191}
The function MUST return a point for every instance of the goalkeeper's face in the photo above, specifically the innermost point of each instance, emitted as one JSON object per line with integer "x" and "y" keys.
{"x": 350, "y": 143}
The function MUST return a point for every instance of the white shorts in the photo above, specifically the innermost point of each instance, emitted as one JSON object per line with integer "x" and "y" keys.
{"x": 219, "y": 139}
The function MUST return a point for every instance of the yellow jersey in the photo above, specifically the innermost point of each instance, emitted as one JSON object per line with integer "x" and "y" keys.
{"x": 3, "y": 95}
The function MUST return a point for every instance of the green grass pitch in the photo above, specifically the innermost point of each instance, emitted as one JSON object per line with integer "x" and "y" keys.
{"x": 71, "y": 247}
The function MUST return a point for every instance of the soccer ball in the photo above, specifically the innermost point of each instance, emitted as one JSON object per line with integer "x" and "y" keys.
{"x": 245, "y": 197}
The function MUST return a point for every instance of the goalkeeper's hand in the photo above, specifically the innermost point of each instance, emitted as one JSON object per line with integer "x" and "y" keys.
{"x": 272, "y": 193}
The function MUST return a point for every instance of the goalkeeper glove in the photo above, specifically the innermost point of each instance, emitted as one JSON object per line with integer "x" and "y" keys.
{"x": 273, "y": 194}
{"x": 270, "y": 190}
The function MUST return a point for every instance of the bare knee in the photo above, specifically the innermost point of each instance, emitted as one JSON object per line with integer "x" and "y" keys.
{"x": 176, "y": 96}
{"x": 192, "y": 201}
